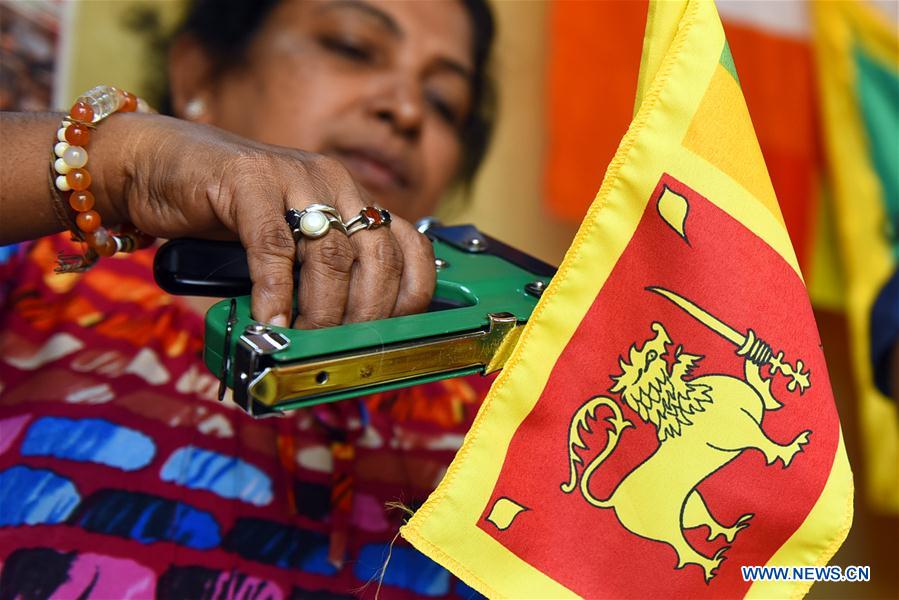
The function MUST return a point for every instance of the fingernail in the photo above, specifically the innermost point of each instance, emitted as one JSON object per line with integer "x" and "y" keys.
{"x": 279, "y": 321}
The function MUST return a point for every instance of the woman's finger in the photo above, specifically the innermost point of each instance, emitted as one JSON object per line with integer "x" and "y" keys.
{"x": 376, "y": 275}
{"x": 419, "y": 272}
{"x": 271, "y": 252}
{"x": 324, "y": 280}
{"x": 327, "y": 261}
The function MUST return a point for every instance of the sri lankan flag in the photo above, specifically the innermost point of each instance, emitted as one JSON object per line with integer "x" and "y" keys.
{"x": 667, "y": 416}
{"x": 857, "y": 53}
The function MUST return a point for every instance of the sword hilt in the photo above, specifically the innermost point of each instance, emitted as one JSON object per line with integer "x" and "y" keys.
{"x": 798, "y": 377}
{"x": 758, "y": 352}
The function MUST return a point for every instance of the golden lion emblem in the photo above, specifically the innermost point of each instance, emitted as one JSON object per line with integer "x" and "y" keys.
{"x": 703, "y": 423}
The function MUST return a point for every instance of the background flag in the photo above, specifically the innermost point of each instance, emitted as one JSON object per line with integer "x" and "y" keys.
{"x": 668, "y": 406}
{"x": 857, "y": 54}
{"x": 589, "y": 106}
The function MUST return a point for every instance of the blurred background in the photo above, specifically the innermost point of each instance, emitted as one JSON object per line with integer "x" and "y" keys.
{"x": 819, "y": 78}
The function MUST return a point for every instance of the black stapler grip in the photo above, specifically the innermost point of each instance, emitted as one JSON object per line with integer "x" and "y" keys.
{"x": 188, "y": 267}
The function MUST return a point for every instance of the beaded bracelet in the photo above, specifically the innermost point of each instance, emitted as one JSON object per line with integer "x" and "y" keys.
{"x": 69, "y": 175}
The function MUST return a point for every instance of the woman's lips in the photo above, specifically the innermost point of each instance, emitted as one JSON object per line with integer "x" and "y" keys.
{"x": 372, "y": 170}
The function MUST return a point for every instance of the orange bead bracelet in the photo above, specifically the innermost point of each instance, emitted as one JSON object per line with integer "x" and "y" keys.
{"x": 70, "y": 176}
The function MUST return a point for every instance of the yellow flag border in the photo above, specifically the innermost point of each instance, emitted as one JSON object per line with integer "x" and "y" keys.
{"x": 662, "y": 21}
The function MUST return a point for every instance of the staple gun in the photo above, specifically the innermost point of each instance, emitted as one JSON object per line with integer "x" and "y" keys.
{"x": 484, "y": 295}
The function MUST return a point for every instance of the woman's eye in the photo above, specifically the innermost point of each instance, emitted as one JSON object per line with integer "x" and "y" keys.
{"x": 443, "y": 109}
{"x": 352, "y": 50}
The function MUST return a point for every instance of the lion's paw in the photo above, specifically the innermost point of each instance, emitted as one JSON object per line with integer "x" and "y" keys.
{"x": 802, "y": 439}
{"x": 795, "y": 447}
{"x": 730, "y": 533}
{"x": 743, "y": 521}
{"x": 710, "y": 565}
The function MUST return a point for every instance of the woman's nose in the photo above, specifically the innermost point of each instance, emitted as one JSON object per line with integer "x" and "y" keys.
{"x": 399, "y": 101}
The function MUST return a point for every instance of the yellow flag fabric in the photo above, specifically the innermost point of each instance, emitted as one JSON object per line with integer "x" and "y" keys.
{"x": 662, "y": 21}
{"x": 666, "y": 418}
{"x": 857, "y": 54}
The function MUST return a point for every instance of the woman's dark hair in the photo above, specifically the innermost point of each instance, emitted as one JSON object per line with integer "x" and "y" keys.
{"x": 226, "y": 29}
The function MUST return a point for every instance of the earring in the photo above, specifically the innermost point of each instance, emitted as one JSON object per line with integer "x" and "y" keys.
{"x": 195, "y": 108}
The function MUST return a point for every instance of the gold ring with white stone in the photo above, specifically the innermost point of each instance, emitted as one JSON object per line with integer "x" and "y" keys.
{"x": 314, "y": 221}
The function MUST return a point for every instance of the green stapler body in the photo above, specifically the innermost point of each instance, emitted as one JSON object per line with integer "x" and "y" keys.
{"x": 485, "y": 294}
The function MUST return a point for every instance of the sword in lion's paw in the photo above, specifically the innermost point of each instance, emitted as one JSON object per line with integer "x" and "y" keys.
{"x": 749, "y": 345}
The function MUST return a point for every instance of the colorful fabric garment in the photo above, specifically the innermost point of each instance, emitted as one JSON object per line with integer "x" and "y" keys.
{"x": 122, "y": 476}
{"x": 666, "y": 417}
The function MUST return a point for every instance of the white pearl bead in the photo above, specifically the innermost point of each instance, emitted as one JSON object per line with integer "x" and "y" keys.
{"x": 60, "y": 148}
{"x": 61, "y": 167}
{"x": 62, "y": 184}
{"x": 75, "y": 157}
{"x": 61, "y": 134}
{"x": 314, "y": 224}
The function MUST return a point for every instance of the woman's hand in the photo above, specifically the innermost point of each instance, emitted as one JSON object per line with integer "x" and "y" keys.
{"x": 173, "y": 178}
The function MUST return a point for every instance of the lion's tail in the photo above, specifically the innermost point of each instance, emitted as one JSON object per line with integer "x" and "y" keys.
{"x": 579, "y": 423}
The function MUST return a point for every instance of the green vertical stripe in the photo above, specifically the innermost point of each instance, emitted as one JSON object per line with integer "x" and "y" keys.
{"x": 727, "y": 61}
{"x": 877, "y": 86}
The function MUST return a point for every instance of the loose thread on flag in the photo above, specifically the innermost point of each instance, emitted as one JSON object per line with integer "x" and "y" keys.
{"x": 390, "y": 505}
{"x": 383, "y": 569}
{"x": 397, "y": 505}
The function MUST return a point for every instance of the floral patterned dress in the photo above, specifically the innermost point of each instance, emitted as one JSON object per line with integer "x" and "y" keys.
{"x": 123, "y": 476}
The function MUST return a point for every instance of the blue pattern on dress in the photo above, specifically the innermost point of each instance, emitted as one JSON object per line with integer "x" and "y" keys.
{"x": 223, "y": 475}
{"x": 89, "y": 440}
{"x": 408, "y": 568}
{"x": 35, "y": 496}
{"x": 146, "y": 519}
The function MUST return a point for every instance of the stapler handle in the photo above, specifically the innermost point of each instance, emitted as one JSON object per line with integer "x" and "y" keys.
{"x": 217, "y": 269}
{"x": 188, "y": 267}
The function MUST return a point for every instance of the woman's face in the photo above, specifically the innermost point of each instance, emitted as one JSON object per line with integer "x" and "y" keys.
{"x": 382, "y": 85}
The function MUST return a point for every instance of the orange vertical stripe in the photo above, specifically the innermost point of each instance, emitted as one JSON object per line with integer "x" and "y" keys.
{"x": 594, "y": 61}
{"x": 777, "y": 78}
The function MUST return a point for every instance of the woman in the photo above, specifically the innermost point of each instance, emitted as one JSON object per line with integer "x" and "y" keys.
{"x": 119, "y": 474}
